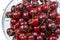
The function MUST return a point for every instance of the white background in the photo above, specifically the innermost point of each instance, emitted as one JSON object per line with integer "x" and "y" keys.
{"x": 3, "y": 4}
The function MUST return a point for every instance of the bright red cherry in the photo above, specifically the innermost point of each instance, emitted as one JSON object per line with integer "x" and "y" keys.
{"x": 45, "y": 7}
{"x": 35, "y": 22}
{"x": 36, "y": 29}
{"x": 58, "y": 18}
{"x": 16, "y": 15}
{"x": 39, "y": 8}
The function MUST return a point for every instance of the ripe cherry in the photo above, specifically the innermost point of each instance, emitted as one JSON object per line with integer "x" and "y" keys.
{"x": 16, "y": 15}
{"x": 39, "y": 8}
{"x": 45, "y": 7}
{"x": 58, "y": 18}
{"x": 36, "y": 29}
{"x": 52, "y": 14}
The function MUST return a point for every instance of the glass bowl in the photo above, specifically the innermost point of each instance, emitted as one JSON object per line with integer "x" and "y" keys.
{"x": 6, "y": 21}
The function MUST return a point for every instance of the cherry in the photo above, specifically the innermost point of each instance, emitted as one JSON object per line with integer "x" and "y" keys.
{"x": 58, "y": 18}
{"x": 33, "y": 11}
{"x": 35, "y": 22}
{"x": 52, "y": 14}
{"x": 54, "y": 5}
{"x": 22, "y": 37}
{"x": 13, "y": 21}
{"x": 35, "y": 3}
{"x": 23, "y": 23}
{"x": 52, "y": 37}
{"x": 49, "y": 21}
{"x": 36, "y": 29}
{"x": 16, "y": 15}
{"x": 39, "y": 8}
{"x": 51, "y": 26}
{"x": 43, "y": 27}
{"x": 17, "y": 25}
{"x": 21, "y": 20}
{"x": 43, "y": 34}
{"x": 31, "y": 37}
{"x": 42, "y": 16}
{"x": 45, "y": 7}
{"x": 57, "y": 31}
{"x": 13, "y": 8}
{"x": 10, "y": 31}
{"x": 35, "y": 34}
{"x": 20, "y": 6}
{"x": 9, "y": 14}
{"x": 39, "y": 37}
{"x": 24, "y": 28}
{"x": 15, "y": 38}
{"x": 25, "y": 15}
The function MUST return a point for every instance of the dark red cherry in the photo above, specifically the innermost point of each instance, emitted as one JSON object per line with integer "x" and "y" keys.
{"x": 42, "y": 16}
{"x": 16, "y": 15}
{"x": 54, "y": 5}
{"x": 20, "y": 6}
{"x": 21, "y": 20}
{"x": 10, "y": 31}
{"x": 49, "y": 21}
{"x": 35, "y": 33}
{"x": 52, "y": 14}
{"x": 23, "y": 28}
{"x": 58, "y": 18}
{"x": 52, "y": 37}
{"x": 25, "y": 15}
{"x": 13, "y": 8}
{"x": 31, "y": 37}
{"x": 42, "y": 34}
{"x": 36, "y": 29}
{"x": 35, "y": 3}
{"x": 39, "y": 37}
{"x": 22, "y": 37}
{"x": 57, "y": 31}
{"x": 33, "y": 11}
{"x": 9, "y": 14}
{"x": 23, "y": 23}
{"x": 43, "y": 27}
{"x": 51, "y": 26}
{"x": 13, "y": 21}
{"x": 15, "y": 38}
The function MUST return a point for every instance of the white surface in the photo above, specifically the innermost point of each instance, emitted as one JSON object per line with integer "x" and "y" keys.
{"x": 3, "y": 4}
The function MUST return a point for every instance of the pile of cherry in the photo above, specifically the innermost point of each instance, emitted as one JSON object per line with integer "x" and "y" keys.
{"x": 33, "y": 21}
